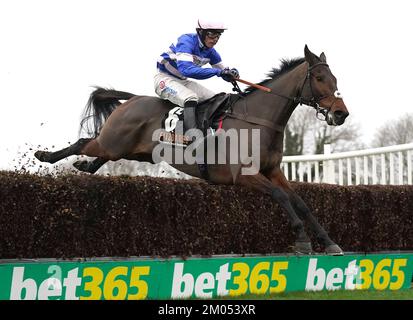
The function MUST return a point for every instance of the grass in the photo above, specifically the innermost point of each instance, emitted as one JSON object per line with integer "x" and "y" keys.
{"x": 406, "y": 294}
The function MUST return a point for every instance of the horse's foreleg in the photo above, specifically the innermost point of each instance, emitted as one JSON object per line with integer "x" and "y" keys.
{"x": 261, "y": 183}
{"x": 278, "y": 179}
{"x": 52, "y": 157}
{"x": 321, "y": 234}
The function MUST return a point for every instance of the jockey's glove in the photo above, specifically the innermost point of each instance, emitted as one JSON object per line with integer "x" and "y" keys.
{"x": 229, "y": 74}
{"x": 235, "y": 73}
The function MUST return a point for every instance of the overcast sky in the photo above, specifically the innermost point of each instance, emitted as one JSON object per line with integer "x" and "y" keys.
{"x": 53, "y": 51}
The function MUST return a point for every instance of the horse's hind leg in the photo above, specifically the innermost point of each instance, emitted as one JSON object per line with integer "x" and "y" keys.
{"x": 84, "y": 146}
{"x": 74, "y": 149}
{"x": 90, "y": 166}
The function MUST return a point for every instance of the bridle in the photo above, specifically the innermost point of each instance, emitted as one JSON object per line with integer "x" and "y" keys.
{"x": 313, "y": 101}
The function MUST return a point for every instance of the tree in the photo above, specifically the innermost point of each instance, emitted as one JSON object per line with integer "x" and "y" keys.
{"x": 295, "y": 131}
{"x": 393, "y": 132}
{"x": 307, "y": 134}
{"x": 341, "y": 138}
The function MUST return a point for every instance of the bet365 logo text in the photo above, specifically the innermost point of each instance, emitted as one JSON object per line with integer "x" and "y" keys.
{"x": 260, "y": 278}
{"x": 89, "y": 283}
{"x": 385, "y": 274}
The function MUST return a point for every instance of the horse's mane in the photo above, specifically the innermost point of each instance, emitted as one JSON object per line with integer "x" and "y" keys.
{"x": 286, "y": 65}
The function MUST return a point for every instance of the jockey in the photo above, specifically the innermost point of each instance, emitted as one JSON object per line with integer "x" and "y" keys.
{"x": 184, "y": 60}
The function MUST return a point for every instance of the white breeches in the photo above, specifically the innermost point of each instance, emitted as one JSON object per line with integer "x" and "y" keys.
{"x": 180, "y": 91}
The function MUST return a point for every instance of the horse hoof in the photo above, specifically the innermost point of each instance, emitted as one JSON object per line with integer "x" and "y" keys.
{"x": 303, "y": 248}
{"x": 334, "y": 250}
{"x": 81, "y": 165}
{"x": 42, "y": 155}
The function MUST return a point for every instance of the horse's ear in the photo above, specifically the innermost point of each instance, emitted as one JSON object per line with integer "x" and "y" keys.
{"x": 310, "y": 57}
{"x": 323, "y": 57}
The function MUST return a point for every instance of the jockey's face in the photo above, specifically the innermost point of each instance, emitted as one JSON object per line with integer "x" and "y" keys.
{"x": 211, "y": 38}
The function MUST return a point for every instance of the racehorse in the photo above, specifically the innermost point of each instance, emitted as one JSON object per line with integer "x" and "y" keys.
{"x": 125, "y": 131}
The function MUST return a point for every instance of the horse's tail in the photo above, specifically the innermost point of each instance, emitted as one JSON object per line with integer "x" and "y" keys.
{"x": 100, "y": 105}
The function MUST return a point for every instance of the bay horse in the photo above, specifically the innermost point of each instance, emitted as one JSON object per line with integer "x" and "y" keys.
{"x": 125, "y": 131}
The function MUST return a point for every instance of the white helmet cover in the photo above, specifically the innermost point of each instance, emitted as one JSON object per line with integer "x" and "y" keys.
{"x": 210, "y": 25}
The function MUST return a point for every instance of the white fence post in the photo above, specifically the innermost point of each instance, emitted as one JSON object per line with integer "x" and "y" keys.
{"x": 328, "y": 166}
{"x": 382, "y": 169}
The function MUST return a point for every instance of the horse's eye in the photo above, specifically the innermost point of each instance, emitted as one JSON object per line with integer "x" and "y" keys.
{"x": 319, "y": 78}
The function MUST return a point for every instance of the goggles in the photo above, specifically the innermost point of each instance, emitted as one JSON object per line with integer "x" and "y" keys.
{"x": 213, "y": 34}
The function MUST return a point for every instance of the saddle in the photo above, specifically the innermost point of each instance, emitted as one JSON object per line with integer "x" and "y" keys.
{"x": 209, "y": 114}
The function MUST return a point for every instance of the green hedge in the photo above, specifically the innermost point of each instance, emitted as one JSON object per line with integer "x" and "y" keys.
{"x": 95, "y": 216}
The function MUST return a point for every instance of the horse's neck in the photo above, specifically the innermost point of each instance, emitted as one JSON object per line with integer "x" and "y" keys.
{"x": 275, "y": 108}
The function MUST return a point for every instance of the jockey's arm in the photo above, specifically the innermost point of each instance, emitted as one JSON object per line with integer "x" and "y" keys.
{"x": 218, "y": 65}
{"x": 188, "y": 69}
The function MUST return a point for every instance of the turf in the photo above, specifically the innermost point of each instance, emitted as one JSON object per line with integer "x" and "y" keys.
{"x": 406, "y": 294}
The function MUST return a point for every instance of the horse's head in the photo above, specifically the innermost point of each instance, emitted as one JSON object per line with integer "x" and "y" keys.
{"x": 321, "y": 86}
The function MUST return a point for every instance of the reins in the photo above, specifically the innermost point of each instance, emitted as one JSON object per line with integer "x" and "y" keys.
{"x": 299, "y": 99}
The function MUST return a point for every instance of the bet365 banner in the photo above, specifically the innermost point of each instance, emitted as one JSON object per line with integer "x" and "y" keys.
{"x": 201, "y": 277}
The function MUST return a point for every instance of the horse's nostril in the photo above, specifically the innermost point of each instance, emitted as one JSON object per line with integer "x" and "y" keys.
{"x": 340, "y": 114}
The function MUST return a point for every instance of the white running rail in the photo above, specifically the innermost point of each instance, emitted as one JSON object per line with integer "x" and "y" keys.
{"x": 387, "y": 165}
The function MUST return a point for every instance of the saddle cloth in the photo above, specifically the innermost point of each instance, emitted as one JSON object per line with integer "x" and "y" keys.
{"x": 209, "y": 113}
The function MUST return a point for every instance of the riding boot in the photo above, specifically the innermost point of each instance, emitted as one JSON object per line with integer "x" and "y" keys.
{"x": 190, "y": 115}
{"x": 190, "y": 122}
